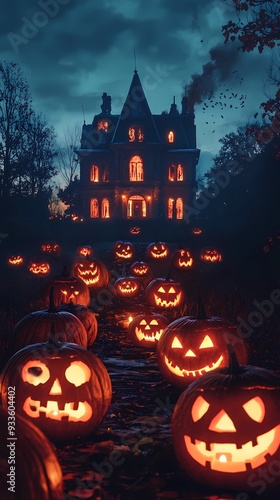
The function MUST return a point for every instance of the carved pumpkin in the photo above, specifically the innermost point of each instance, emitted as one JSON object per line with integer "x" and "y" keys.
{"x": 15, "y": 260}
{"x": 86, "y": 316}
{"x": 135, "y": 230}
{"x": 39, "y": 268}
{"x": 68, "y": 288}
{"x": 85, "y": 251}
{"x": 35, "y": 327}
{"x": 39, "y": 476}
{"x": 139, "y": 269}
{"x": 62, "y": 388}
{"x": 182, "y": 259}
{"x": 92, "y": 271}
{"x": 127, "y": 287}
{"x": 158, "y": 250}
{"x": 226, "y": 428}
{"x": 192, "y": 346}
{"x": 145, "y": 329}
{"x": 51, "y": 247}
{"x": 197, "y": 231}
{"x": 123, "y": 250}
{"x": 211, "y": 255}
{"x": 164, "y": 293}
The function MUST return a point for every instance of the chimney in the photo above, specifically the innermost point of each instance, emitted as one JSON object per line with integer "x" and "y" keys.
{"x": 173, "y": 108}
{"x": 106, "y": 104}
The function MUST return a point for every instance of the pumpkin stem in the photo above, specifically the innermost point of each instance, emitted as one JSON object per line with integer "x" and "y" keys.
{"x": 234, "y": 367}
{"x": 201, "y": 314}
{"x": 52, "y": 308}
{"x": 65, "y": 272}
{"x": 52, "y": 339}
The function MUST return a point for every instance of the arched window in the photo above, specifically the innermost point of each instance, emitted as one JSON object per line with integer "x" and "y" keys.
{"x": 171, "y": 173}
{"x": 171, "y": 136}
{"x": 105, "y": 175}
{"x": 180, "y": 173}
{"x": 136, "y": 207}
{"x": 170, "y": 208}
{"x": 179, "y": 208}
{"x": 105, "y": 209}
{"x": 103, "y": 125}
{"x": 94, "y": 208}
{"x": 94, "y": 173}
{"x": 136, "y": 172}
{"x": 135, "y": 134}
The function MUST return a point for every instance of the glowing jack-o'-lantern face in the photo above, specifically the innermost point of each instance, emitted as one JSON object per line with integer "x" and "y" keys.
{"x": 92, "y": 271}
{"x": 84, "y": 251}
{"x": 157, "y": 250}
{"x": 135, "y": 230}
{"x": 123, "y": 250}
{"x": 15, "y": 260}
{"x": 139, "y": 269}
{"x": 211, "y": 255}
{"x": 62, "y": 388}
{"x": 39, "y": 268}
{"x": 68, "y": 289}
{"x": 127, "y": 287}
{"x": 197, "y": 231}
{"x": 226, "y": 427}
{"x": 164, "y": 293}
{"x": 51, "y": 248}
{"x": 182, "y": 259}
{"x": 191, "y": 347}
{"x": 145, "y": 330}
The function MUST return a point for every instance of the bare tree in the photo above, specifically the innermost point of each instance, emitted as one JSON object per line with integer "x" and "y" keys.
{"x": 67, "y": 159}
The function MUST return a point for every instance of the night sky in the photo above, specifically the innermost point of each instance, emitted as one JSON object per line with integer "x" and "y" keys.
{"x": 71, "y": 51}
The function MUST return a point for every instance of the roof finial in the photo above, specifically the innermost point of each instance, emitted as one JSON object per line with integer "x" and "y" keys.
{"x": 83, "y": 114}
{"x": 135, "y": 69}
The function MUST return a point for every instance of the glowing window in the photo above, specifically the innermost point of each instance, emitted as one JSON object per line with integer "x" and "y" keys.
{"x": 179, "y": 208}
{"x": 131, "y": 134}
{"x": 180, "y": 173}
{"x": 170, "y": 208}
{"x": 105, "y": 209}
{"x": 171, "y": 173}
{"x": 94, "y": 173}
{"x": 140, "y": 135}
{"x": 136, "y": 172}
{"x": 103, "y": 125}
{"x": 105, "y": 175}
{"x": 94, "y": 208}
{"x": 170, "y": 136}
{"x": 135, "y": 133}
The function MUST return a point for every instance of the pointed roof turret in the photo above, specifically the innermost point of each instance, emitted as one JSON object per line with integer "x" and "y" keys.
{"x": 136, "y": 110}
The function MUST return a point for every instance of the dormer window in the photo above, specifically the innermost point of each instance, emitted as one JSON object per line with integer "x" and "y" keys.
{"x": 103, "y": 125}
{"x": 135, "y": 134}
{"x": 94, "y": 173}
{"x": 170, "y": 136}
{"x": 136, "y": 171}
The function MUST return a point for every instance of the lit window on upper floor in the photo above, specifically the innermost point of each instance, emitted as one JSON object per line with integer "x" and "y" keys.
{"x": 135, "y": 134}
{"x": 136, "y": 171}
{"x": 94, "y": 173}
{"x": 105, "y": 209}
{"x": 170, "y": 208}
{"x": 175, "y": 173}
{"x": 179, "y": 208}
{"x": 105, "y": 175}
{"x": 171, "y": 173}
{"x": 103, "y": 125}
{"x": 179, "y": 172}
{"x": 94, "y": 208}
{"x": 171, "y": 136}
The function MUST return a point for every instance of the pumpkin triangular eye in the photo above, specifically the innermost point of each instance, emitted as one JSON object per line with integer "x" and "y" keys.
{"x": 255, "y": 409}
{"x": 207, "y": 342}
{"x": 199, "y": 408}
{"x": 172, "y": 290}
{"x": 176, "y": 343}
{"x": 154, "y": 322}
{"x": 161, "y": 289}
{"x": 222, "y": 423}
{"x": 143, "y": 322}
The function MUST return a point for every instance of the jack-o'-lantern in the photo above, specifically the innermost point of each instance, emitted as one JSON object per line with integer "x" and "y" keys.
{"x": 86, "y": 316}
{"x": 68, "y": 288}
{"x": 139, "y": 269}
{"x": 192, "y": 346}
{"x": 51, "y": 247}
{"x": 145, "y": 329}
{"x": 226, "y": 428}
{"x": 158, "y": 250}
{"x": 15, "y": 260}
{"x": 211, "y": 255}
{"x": 39, "y": 268}
{"x": 127, "y": 287}
{"x": 93, "y": 272}
{"x": 135, "y": 230}
{"x": 35, "y": 327}
{"x": 164, "y": 293}
{"x": 39, "y": 476}
{"x": 84, "y": 251}
{"x": 123, "y": 250}
{"x": 182, "y": 259}
{"x": 197, "y": 231}
{"x": 62, "y": 388}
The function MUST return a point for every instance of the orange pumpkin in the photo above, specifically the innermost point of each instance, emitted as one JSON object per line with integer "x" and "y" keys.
{"x": 68, "y": 288}
{"x": 123, "y": 250}
{"x": 15, "y": 260}
{"x": 92, "y": 271}
{"x": 164, "y": 293}
{"x": 157, "y": 250}
{"x": 139, "y": 269}
{"x": 51, "y": 247}
{"x": 84, "y": 251}
{"x": 39, "y": 268}
{"x": 127, "y": 287}
{"x": 211, "y": 255}
{"x": 182, "y": 259}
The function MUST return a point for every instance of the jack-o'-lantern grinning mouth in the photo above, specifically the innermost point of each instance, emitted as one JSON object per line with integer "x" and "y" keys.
{"x": 124, "y": 255}
{"x": 151, "y": 337}
{"x": 72, "y": 412}
{"x": 89, "y": 276}
{"x": 159, "y": 255}
{"x": 184, "y": 263}
{"x": 168, "y": 303}
{"x": 129, "y": 290}
{"x": 182, "y": 372}
{"x": 226, "y": 457}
